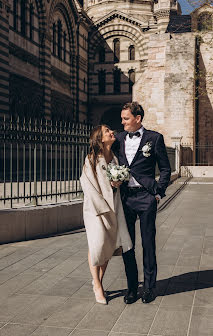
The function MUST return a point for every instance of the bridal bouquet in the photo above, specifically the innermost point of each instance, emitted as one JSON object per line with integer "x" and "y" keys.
{"x": 117, "y": 173}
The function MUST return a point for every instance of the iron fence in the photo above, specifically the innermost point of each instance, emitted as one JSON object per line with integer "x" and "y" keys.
{"x": 40, "y": 161}
{"x": 197, "y": 155}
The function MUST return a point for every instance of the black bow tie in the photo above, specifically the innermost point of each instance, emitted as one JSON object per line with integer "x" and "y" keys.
{"x": 131, "y": 134}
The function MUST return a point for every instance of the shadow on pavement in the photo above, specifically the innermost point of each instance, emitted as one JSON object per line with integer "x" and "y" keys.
{"x": 177, "y": 284}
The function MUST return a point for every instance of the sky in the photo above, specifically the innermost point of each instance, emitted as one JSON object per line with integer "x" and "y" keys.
{"x": 185, "y": 6}
{"x": 189, "y": 5}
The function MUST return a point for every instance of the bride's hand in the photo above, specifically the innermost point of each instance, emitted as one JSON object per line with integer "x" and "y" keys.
{"x": 116, "y": 184}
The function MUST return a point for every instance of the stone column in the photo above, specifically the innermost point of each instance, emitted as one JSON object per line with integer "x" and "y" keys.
{"x": 176, "y": 143}
{"x": 163, "y": 18}
{"x": 4, "y": 57}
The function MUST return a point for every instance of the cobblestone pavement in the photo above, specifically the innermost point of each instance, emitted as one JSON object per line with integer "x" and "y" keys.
{"x": 45, "y": 284}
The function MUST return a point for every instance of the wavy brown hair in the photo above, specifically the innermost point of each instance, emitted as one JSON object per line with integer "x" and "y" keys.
{"x": 96, "y": 146}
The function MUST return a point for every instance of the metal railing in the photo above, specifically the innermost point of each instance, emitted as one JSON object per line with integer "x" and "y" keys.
{"x": 197, "y": 155}
{"x": 40, "y": 161}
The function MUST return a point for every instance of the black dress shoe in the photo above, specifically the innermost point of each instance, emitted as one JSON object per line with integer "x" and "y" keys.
{"x": 148, "y": 296}
{"x": 130, "y": 297}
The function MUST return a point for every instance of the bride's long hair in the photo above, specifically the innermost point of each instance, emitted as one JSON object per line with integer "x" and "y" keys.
{"x": 96, "y": 146}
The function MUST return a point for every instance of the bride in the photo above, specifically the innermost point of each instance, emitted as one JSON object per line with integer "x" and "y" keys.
{"x": 104, "y": 218}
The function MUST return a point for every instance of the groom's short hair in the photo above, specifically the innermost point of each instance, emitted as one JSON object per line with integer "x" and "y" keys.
{"x": 135, "y": 109}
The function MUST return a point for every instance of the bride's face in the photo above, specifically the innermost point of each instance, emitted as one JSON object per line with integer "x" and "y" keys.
{"x": 107, "y": 136}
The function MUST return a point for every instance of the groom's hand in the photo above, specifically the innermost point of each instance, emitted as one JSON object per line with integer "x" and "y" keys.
{"x": 116, "y": 184}
{"x": 158, "y": 198}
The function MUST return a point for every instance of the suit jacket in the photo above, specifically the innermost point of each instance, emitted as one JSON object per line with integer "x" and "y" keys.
{"x": 103, "y": 214}
{"x": 143, "y": 165}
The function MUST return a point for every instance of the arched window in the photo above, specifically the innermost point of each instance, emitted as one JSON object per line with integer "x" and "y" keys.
{"x": 54, "y": 39}
{"x": 116, "y": 43}
{"x": 131, "y": 53}
{"x": 205, "y": 22}
{"x": 101, "y": 55}
{"x": 23, "y": 17}
{"x": 15, "y": 12}
{"x": 131, "y": 80}
{"x": 31, "y": 23}
{"x": 117, "y": 81}
{"x": 102, "y": 82}
{"x": 59, "y": 39}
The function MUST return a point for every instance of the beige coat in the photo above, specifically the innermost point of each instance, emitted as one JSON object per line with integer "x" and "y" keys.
{"x": 103, "y": 214}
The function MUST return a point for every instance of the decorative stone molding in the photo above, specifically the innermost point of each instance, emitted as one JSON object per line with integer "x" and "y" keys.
{"x": 119, "y": 16}
{"x": 162, "y": 13}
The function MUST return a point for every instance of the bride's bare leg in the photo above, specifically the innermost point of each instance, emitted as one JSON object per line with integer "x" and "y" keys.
{"x": 102, "y": 271}
{"x": 95, "y": 271}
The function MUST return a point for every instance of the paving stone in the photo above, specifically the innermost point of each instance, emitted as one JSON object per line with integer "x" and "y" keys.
{"x": 51, "y": 331}
{"x": 185, "y": 274}
{"x": 85, "y": 292}
{"x": 125, "y": 334}
{"x": 39, "y": 310}
{"x": 178, "y": 294}
{"x": 167, "y": 257}
{"x": 136, "y": 319}
{"x": 12, "y": 305}
{"x": 171, "y": 321}
{"x": 78, "y": 332}
{"x": 70, "y": 313}
{"x": 17, "y": 283}
{"x": 102, "y": 317}
{"x": 188, "y": 260}
{"x": 17, "y": 330}
{"x": 204, "y": 296}
{"x": 45, "y": 284}
{"x": 65, "y": 287}
{"x": 202, "y": 322}
{"x": 205, "y": 275}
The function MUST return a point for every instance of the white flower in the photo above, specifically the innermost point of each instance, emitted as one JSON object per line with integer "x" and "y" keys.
{"x": 117, "y": 173}
{"x": 146, "y": 148}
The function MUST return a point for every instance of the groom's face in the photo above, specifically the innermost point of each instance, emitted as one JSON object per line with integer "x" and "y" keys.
{"x": 129, "y": 121}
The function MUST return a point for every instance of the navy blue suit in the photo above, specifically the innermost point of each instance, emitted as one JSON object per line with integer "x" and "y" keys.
{"x": 143, "y": 203}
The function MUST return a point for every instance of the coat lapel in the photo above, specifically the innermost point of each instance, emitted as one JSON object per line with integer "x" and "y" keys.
{"x": 104, "y": 183}
{"x": 144, "y": 139}
{"x": 123, "y": 149}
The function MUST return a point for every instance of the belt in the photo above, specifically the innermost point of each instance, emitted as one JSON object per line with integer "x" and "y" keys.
{"x": 135, "y": 189}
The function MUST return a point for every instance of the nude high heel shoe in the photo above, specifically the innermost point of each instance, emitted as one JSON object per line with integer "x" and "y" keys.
{"x": 101, "y": 301}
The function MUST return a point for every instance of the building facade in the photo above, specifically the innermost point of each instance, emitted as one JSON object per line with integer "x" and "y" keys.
{"x": 44, "y": 59}
{"x": 156, "y": 56}
{"x": 66, "y": 60}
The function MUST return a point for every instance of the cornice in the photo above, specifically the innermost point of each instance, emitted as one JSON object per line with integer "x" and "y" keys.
{"x": 117, "y": 14}
{"x": 162, "y": 13}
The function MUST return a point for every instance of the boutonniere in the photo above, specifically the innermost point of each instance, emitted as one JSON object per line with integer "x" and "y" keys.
{"x": 146, "y": 149}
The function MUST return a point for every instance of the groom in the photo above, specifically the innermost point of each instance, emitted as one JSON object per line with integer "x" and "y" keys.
{"x": 140, "y": 150}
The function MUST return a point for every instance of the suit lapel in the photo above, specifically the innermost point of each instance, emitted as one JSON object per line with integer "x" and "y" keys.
{"x": 142, "y": 143}
{"x": 123, "y": 149}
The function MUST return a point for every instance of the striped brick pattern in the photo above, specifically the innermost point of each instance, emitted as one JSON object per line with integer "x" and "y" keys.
{"x": 4, "y": 57}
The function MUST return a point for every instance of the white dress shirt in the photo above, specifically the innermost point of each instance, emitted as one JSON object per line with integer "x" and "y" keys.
{"x": 131, "y": 147}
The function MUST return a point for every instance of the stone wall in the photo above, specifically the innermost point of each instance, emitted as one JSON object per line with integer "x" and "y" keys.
{"x": 166, "y": 88}
{"x": 205, "y": 92}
